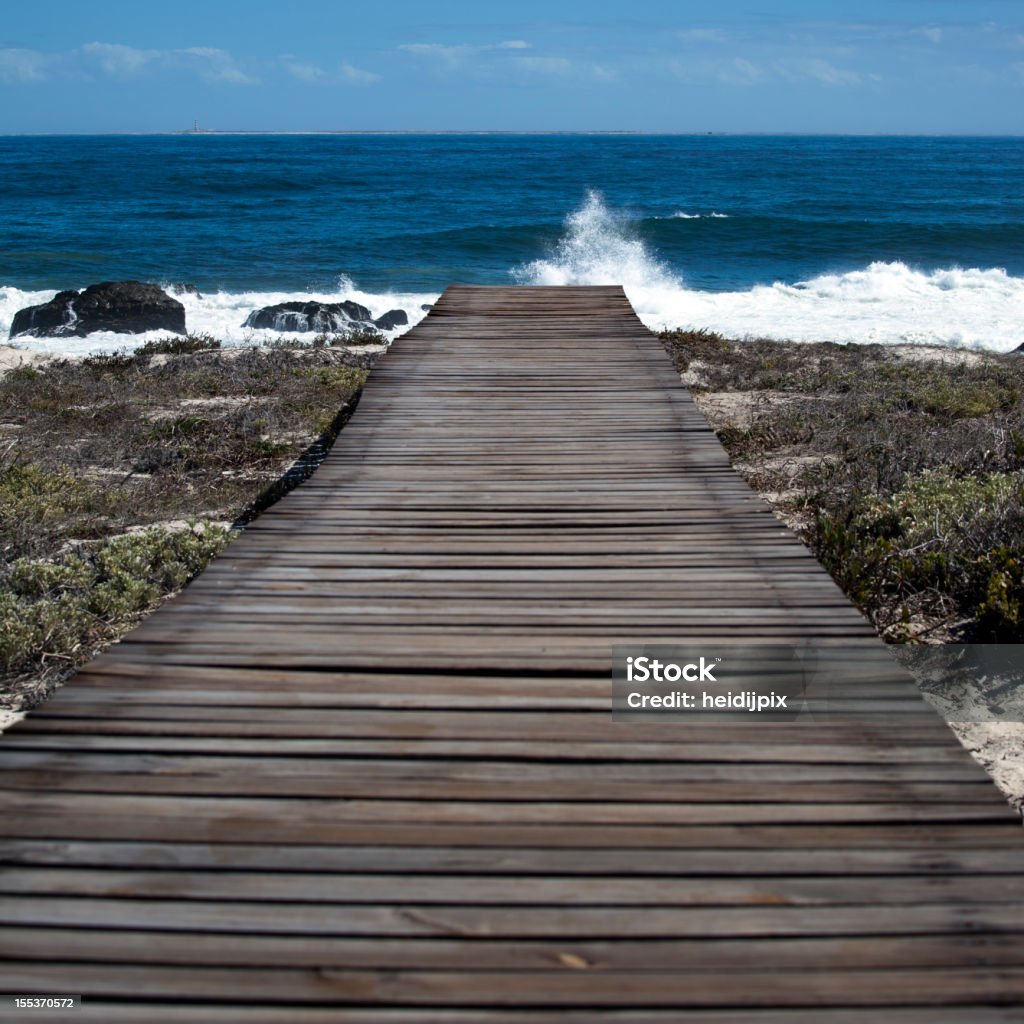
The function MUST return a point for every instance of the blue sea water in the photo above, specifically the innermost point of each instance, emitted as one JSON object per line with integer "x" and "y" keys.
{"x": 849, "y": 239}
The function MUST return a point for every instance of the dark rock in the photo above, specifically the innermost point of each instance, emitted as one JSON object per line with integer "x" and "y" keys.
{"x": 308, "y": 316}
{"x": 124, "y": 307}
{"x": 426, "y": 307}
{"x": 48, "y": 320}
{"x": 391, "y": 319}
{"x": 356, "y": 311}
{"x": 181, "y": 288}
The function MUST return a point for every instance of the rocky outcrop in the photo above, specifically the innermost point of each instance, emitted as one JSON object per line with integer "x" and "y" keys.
{"x": 308, "y": 316}
{"x": 391, "y": 319}
{"x": 124, "y": 307}
{"x": 51, "y": 319}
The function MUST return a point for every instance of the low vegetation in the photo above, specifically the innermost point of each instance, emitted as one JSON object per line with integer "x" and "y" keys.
{"x": 901, "y": 468}
{"x": 121, "y": 476}
{"x": 55, "y": 612}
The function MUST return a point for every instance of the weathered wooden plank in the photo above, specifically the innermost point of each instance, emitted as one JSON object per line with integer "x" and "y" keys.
{"x": 228, "y": 949}
{"x": 278, "y": 778}
{"x": 236, "y": 818}
{"x": 505, "y": 922}
{"x": 785, "y": 751}
{"x": 465, "y": 889}
{"x": 845, "y": 857}
{"x": 922, "y": 728}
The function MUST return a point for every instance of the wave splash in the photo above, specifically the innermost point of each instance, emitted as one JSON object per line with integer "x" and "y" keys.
{"x": 886, "y": 302}
{"x": 598, "y": 248}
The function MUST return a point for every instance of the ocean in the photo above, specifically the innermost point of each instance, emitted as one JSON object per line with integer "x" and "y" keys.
{"x": 855, "y": 239}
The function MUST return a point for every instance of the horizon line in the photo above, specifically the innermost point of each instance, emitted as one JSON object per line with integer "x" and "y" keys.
{"x": 510, "y": 131}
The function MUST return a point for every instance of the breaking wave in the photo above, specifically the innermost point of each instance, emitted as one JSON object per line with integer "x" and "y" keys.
{"x": 884, "y": 302}
{"x": 888, "y": 303}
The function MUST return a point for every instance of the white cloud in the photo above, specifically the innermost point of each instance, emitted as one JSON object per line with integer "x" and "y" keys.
{"x": 116, "y": 59}
{"x": 740, "y": 71}
{"x": 499, "y": 60}
{"x": 214, "y": 65}
{"x": 702, "y": 35}
{"x": 932, "y": 33}
{"x": 729, "y": 70}
{"x": 454, "y": 55}
{"x": 303, "y": 71}
{"x": 357, "y": 75}
{"x": 17, "y": 65}
{"x": 313, "y": 75}
{"x": 545, "y": 65}
{"x": 233, "y": 76}
{"x": 449, "y": 56}
{"x": 816, "y": 69}
{"x": 209, "y": 63}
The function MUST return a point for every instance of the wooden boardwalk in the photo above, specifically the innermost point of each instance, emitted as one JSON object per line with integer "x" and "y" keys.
{"x": 364, "y": 769}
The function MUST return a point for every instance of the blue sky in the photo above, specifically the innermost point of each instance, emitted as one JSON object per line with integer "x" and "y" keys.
{"x": 914, "y": 66}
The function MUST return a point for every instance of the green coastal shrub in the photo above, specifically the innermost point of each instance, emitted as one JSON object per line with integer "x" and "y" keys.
{"x": 176, "y": 346}
{"x": 41, "y": 507}
{"x": 999, "y": 612}
{"x": 940, "y": 543}
{"x": 64, "y": 608}
{"x": 343, "y": 378}
{"x": 963, "y": 400}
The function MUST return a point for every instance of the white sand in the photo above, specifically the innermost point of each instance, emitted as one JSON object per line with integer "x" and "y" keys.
{"x": 9, "y": 718}
{"x": 999, "y": 748}
{"x": 11, "y": 357}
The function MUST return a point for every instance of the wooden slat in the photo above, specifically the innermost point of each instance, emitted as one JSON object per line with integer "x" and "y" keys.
{"x": 363, "y": 769}
{"x": 213, "y": 948}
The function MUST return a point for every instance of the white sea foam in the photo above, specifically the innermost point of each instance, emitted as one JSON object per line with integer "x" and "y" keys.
{"x": 889, "y": 303}
{"x": 683, "y": 215}
{"x": 220, "y": 314}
